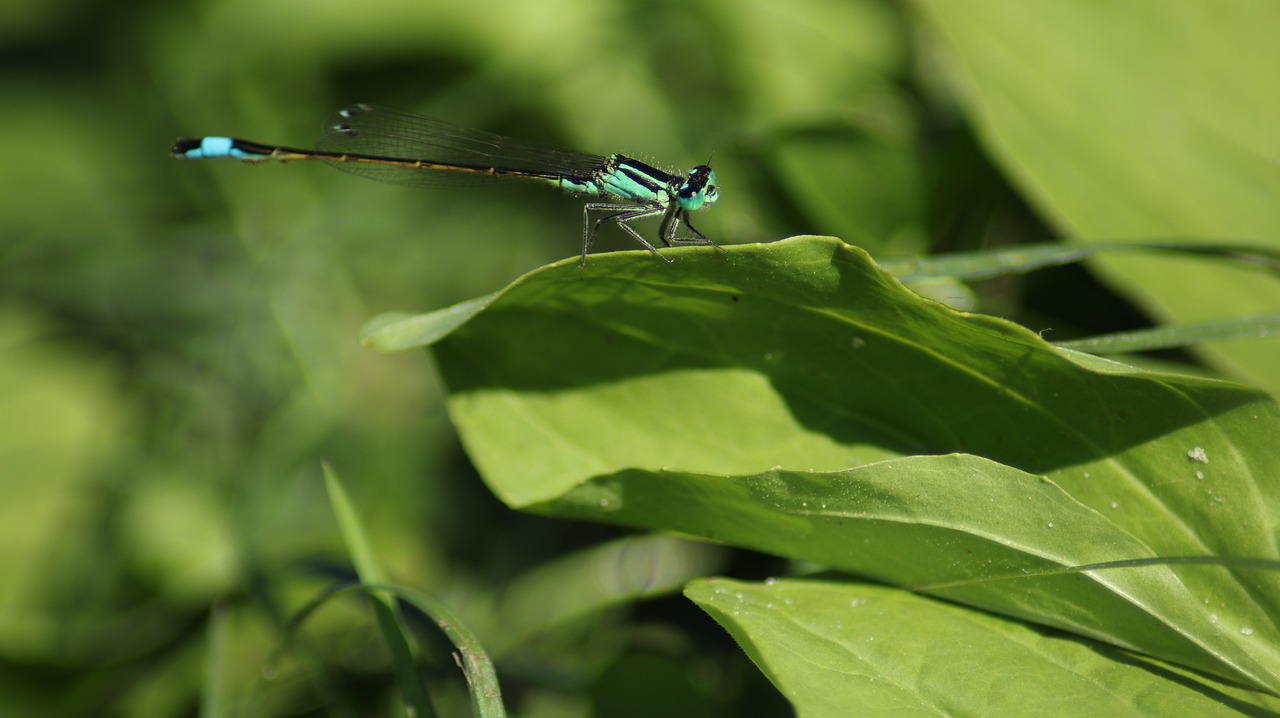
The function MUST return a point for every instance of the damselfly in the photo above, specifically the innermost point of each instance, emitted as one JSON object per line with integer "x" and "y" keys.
{"x": 405, "y": 148}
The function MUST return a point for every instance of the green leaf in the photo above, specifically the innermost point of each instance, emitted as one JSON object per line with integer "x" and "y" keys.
{"x": 1025, "y": 258}
{"x": 357, "y": 539}
{"x": 214, "y": 702}
{"x": 370, "y": 571}
{"x": 1177, "y": 336}
{"x": 1138, "y": 120}
{"x": 839, "y": 649}
{"x": 1020, "y": 258}
{"x": 698, "y": 397}
{"x": 396, "y": 332}
{"x": 482, "y": 680}
{"x": 589, "y": 581}
{"x": 996, "y": 537}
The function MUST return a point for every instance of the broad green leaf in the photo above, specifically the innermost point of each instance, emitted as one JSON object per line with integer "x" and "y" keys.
{"x": 744, "y": 395}
{"x": 981, "y": 533}
{"x": 1135, "y": 120}
{"x": 839, "y": 649}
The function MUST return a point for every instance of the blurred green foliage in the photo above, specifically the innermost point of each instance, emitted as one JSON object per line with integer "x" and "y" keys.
{"x": 179, "y": 340}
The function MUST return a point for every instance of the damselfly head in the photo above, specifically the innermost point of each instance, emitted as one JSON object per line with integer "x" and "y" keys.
{"x": 699, "y": 189}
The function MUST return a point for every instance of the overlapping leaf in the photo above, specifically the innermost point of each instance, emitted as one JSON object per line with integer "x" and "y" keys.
{"x": 763, "y": 396}
{"x": 844, "y": 648}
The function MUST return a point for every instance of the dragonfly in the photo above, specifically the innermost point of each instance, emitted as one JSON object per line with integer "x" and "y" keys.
{"x": 410, "y": 149}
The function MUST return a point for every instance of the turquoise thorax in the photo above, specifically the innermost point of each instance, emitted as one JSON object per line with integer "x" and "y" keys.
{"x": 630, "y": 180}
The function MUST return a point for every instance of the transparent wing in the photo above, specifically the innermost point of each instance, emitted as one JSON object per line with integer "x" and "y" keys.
{"x": 381, "y": 132}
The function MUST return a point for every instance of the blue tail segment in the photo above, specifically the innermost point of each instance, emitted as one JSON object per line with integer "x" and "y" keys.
{"x": 214, "y": 147}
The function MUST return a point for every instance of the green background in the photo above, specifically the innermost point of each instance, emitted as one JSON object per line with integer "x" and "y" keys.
{"x": 180, "y": 340}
